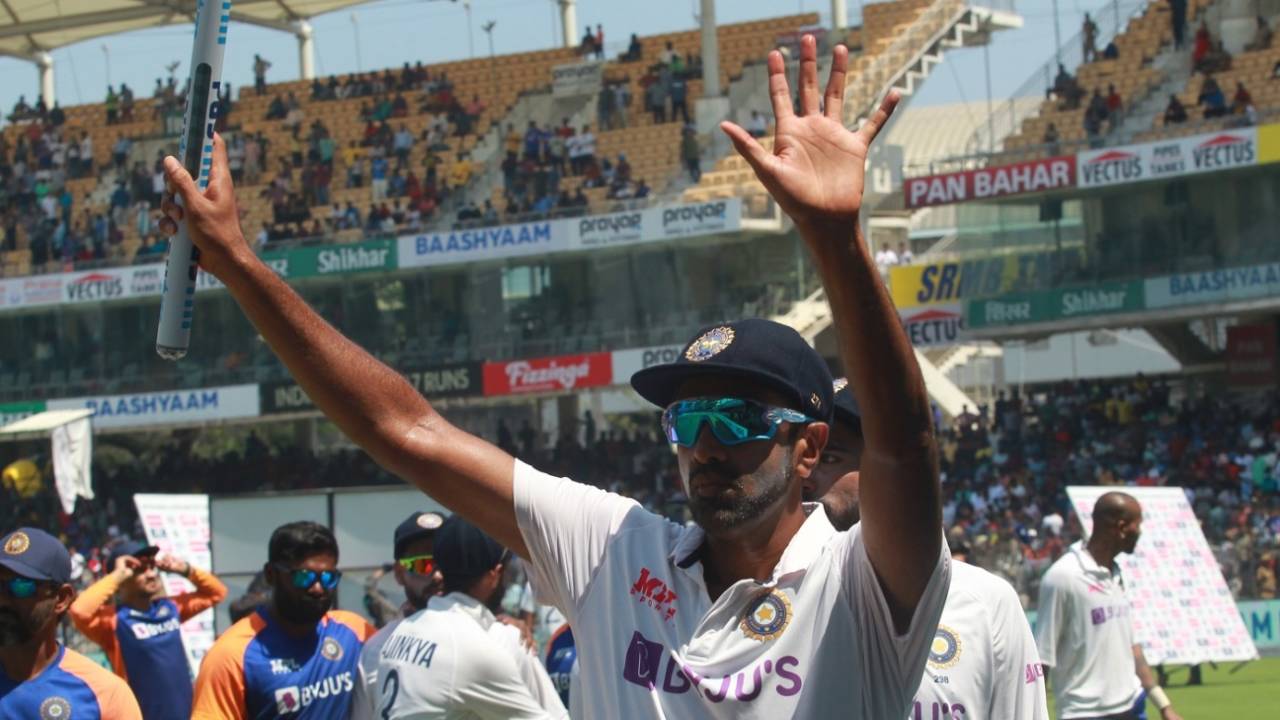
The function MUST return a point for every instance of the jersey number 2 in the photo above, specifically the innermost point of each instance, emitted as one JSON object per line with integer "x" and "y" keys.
{"x": 393, "y": 682}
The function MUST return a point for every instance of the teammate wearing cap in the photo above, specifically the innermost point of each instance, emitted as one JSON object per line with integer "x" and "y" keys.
{"x": 140, "y": 630}
{"x": 983, "y": 662}
{"x": 762, "y": 609}
{"x": 293, "y": 657}
{"x": 413, "y": 567}
{"x": 40, "y": 678}
{"x": 413, "y": 547}
{"x": 1084, "y": 630}
{"x": 455, "y": 659}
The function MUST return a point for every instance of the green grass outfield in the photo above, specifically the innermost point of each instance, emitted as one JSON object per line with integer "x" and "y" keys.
{"x": 1252, "y": 693}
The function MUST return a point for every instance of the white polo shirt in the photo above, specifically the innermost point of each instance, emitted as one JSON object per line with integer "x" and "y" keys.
{"x": 1085, "y": 635}
{"x": 815, "y": 641}
{"x": 983, "y": 662}
{"x": 450, "y": 661}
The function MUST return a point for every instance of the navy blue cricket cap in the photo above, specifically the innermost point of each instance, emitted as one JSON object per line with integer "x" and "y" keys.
{"x": 129, "y": 548}
{"x": 847, "y": 412}
{"x": 463, "y": 551}
{"x": 36, "y": 555}
{"x": 418, "y": 525}
{"x": 758, "y": 352}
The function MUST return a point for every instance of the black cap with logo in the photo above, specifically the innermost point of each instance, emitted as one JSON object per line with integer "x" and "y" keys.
{"x": 463, "y": 551}
{"x": 756, "y": 351}
{"x": 417, "y": 525}
{"x": 847, "y": 412}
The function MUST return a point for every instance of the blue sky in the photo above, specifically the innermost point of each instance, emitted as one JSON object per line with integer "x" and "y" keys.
{"x": 393, "y": 31}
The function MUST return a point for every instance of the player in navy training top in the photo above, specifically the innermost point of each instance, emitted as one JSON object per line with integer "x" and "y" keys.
{"x": 293, "y": 657}
{"x": 39, "y": 677}
{"x": 140, "y": 631}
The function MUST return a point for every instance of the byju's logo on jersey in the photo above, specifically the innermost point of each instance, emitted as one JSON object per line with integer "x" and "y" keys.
{"x": 288, "y": 700}
{"x": 643, "y": 666}
{"x": 655, "y": 593}
{"x": 294, "y": 698}
{"x": 945, "y": 651}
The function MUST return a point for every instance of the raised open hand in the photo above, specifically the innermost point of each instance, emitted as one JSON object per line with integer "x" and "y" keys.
{"x": 816, "y": 169}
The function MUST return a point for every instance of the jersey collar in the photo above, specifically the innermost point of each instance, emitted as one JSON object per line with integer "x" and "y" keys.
{"x": 464, "y": 604}
{"x": 1089, "y": 565}
{"x": 804, "y": 547}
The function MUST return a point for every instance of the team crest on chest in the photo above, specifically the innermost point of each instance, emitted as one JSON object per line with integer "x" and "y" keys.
{"x": 55, "y": 708}
{"x": 945, "y": 650}
{"x": 17, "y": 543}
{"x": 767, "y": 616}
{"x": 331, "y": 650}
{"x": 712, "y": 343}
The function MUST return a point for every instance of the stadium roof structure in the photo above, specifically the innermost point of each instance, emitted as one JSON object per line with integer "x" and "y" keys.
{"x": 29, "y": 28}
{"x": 42, "y": 423}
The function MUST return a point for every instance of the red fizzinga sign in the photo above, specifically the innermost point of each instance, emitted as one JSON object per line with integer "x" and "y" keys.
{"x": 553, "y": 374}
{"x": 1034, "y": 176}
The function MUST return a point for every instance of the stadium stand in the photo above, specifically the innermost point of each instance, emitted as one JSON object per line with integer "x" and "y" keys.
{"x": 1131, "y": 73}
{"x": 883, "y": 51}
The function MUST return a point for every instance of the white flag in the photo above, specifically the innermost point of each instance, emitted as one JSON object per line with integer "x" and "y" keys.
{"x": 72, "y": 455}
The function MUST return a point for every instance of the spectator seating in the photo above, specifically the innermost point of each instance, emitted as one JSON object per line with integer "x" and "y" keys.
{"x": 1254, "y": 69}
{"x": 883, "y": 23}
{"x": 1131, "y": 73}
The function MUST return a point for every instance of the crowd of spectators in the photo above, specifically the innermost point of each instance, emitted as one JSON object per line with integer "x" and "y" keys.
{"x": 1005, "y": 469}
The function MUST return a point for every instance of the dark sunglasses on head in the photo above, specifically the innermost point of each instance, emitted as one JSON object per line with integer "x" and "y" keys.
{"x": 20, "y": 588}
{"x": 419, "y": 564}
{"x": 733, "y": 421}
{"x": 303, "y": 578}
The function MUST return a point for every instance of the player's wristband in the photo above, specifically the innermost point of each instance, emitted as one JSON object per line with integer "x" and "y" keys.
{"x": 1159, "y": 698}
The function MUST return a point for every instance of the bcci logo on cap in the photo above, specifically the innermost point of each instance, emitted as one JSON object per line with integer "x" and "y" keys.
{"x": 710, "y": 344}
{"x": 945, "y": 650}
{"x": 331, "y": 650}
{"x": 838, "y": 385}
{"x": 17, "y": 543}
{"x": 767, "y": 616}
{"x": 55, "y": 708}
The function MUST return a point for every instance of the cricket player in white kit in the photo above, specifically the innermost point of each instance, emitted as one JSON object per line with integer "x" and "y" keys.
{"x": 762, "y": 609}
{"x": 983, "y": 661}
{"x": 454, "y": 660}
{"x": 1084, "y": 629}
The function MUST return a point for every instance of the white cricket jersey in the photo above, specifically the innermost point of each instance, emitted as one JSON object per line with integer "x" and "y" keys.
{"x": 814, "y": 641}
{"x": 366, "y": 690}
{"x": 983, "y": 663}
{"x": 455, "y": 660}
{"x": 1085, "y": 635}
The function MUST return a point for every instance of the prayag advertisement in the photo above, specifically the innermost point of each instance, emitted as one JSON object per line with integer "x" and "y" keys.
{"x": 441, "y": 381}
{"x": 629, "y": 362}
{"x": 564, "y": 373}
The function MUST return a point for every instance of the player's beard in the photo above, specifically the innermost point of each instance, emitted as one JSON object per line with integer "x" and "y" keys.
{"x": 303, "y": 608}
{"x": 718, "y": 513}
{"x": 15, "y": 630}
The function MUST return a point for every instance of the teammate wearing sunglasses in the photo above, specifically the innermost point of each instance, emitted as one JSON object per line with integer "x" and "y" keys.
{"x": 293, "y": 657}
{"x": 762, "y": 609}
{"x": 413, "y": 546}
{"x": 39, "y": 676}
{"x": 139, "y": 630}
{"x": 983, "y": 661}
